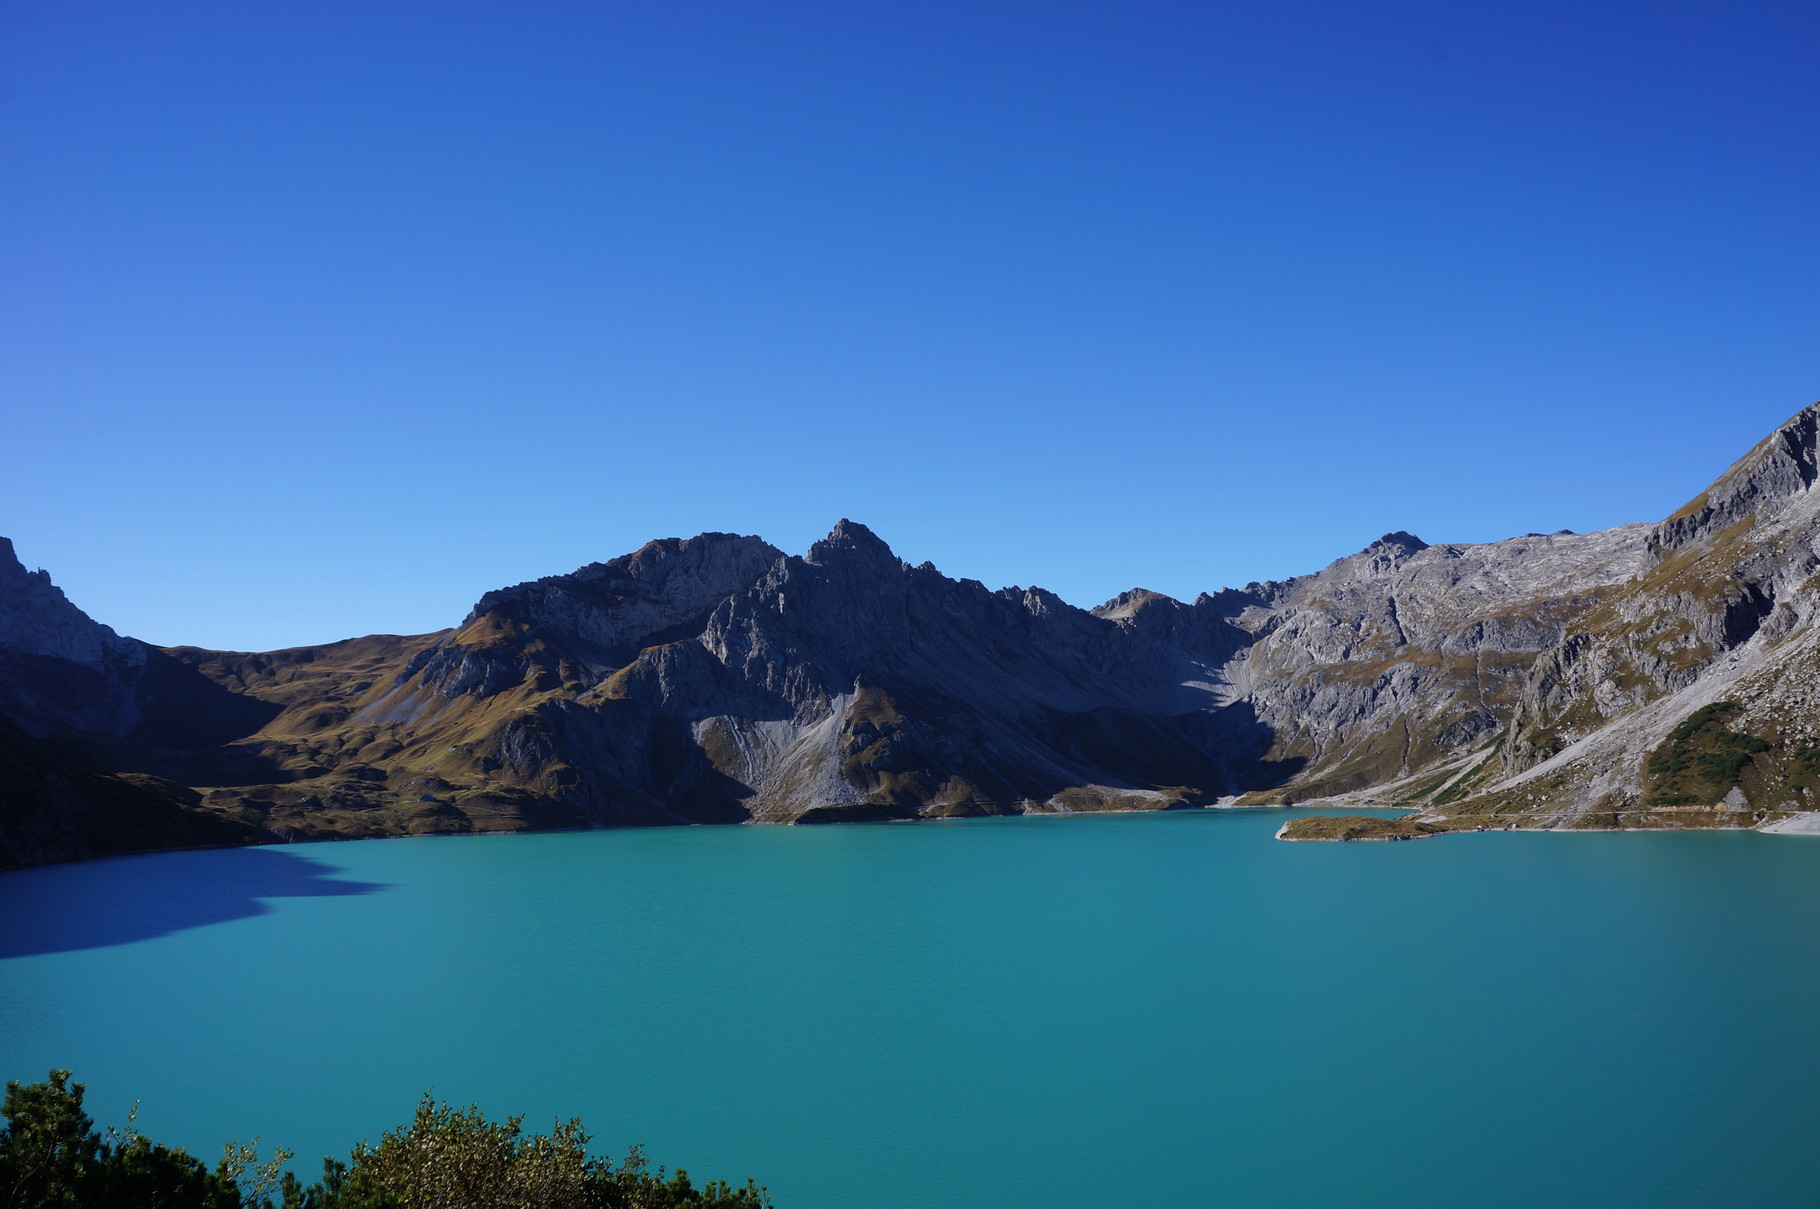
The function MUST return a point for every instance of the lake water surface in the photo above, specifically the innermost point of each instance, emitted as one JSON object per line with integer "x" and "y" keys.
{"x": 1057, "y": 1013}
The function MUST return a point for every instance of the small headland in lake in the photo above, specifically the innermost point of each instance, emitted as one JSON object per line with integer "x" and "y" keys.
{"x": 1358, "y": 827}
{"x": 1351, "y": 827}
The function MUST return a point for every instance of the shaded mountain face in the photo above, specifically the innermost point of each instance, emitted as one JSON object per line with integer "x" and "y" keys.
{"x": 80, "y": 708}
{"x": 1527, "y": 682}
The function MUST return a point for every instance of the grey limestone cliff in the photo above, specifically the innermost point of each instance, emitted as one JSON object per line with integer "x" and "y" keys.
{"x": 59, "y": 670}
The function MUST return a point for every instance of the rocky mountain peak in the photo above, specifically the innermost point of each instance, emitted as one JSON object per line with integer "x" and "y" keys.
{"x": 850, "y": 542}
{"x": 595, "y": 619}
{"x": 1758, "y": 488}
{"x": 1387, "y": 554}
{"x": 36, "y": 618}
{"x": 60, "y": 670}
{"x": 1130, "y": 603}
{"x": 703, "y": 568}
{"x": 1408, "y": 543}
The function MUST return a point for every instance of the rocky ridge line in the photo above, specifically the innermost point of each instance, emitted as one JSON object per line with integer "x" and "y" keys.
{"x": 1542, "y": 681}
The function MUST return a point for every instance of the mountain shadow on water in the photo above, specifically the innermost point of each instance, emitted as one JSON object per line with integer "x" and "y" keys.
{"x": 96, "y": 904}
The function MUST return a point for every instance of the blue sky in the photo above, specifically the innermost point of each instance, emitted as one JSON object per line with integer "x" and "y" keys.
{"x": 322, "y": 318}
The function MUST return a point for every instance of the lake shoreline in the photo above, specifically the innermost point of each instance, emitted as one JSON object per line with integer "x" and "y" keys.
{"x": 1778, "y": 826}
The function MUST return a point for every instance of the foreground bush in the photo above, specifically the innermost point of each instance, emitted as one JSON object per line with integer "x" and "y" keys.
{"x": 446, "y": 1158}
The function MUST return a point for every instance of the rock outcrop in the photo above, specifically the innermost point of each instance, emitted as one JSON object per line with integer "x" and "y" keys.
{"x": 1649, "y": 675}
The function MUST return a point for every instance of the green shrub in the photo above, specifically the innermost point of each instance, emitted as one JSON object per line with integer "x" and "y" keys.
{"x": 1700, "y": 761}
{"x": 50, "y": 1155}
{"x": 446, "y": 1158}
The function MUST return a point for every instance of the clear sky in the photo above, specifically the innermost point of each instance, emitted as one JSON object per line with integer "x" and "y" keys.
{"x": 321, "y": 318}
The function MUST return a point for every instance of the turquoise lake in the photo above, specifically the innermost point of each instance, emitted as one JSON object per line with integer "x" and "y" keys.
{"x": 1099, "y": 1011}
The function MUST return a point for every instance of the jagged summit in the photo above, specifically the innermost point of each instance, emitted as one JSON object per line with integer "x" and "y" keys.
{"x": 849, "y": 541}
{"x": 1407, "y": 542}
{"x": 37, "y": 619}
{"x": 649, "y": 569}
{"x": 1760, "y": 487}
{"x": 1128, "y": 603}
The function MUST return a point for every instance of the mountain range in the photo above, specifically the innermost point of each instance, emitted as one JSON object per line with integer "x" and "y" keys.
{"x": 1652, "y": 675}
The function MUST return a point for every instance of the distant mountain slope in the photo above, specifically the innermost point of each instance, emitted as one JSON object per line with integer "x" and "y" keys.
{"x": 1406, "y": 654}
{"x": 716, "y": 679}
{"x": 1689, "y": 696}
{"x": 1649, "y": 675}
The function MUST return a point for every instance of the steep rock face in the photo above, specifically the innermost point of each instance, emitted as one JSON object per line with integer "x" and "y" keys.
{"x": 1762, "y": 487}
{"x": 855, "y": 679}
{"x": 1722, "y": 614}
{"x": 1405, "y": 654}
{"x": 839, "y": 684}
{"x": 1734, "y": 560}
{"x": 59, "y": 670}
{"x": 79, "y": 705}
{"x": 582, "y": 626}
